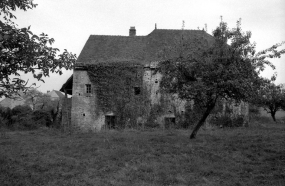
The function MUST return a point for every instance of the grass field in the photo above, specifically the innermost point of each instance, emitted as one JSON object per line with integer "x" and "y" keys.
{"x": 244, "y": 156}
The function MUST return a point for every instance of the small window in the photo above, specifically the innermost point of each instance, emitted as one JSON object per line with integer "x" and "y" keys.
{"x": 156, "y": 81}
{"x": 88, "y": 88}
{"x": 137, "y": 90}
{"x": 110, "y": 122}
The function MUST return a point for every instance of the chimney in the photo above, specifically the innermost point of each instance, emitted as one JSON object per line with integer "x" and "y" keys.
{"x": 132, "y": 31}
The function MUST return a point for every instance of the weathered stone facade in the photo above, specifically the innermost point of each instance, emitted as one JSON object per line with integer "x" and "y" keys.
{"x": 116, "y": 83}
{"x": 87, "y": 114}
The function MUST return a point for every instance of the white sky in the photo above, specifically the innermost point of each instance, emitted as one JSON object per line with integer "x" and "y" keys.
{"x": 71, "y": 22}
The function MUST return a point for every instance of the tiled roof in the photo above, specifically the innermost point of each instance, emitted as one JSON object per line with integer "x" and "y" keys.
{"x": 100, "y": 48}
{"x": 59, "y": 94}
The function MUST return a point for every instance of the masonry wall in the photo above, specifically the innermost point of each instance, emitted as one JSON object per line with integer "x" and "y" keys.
{"x": 163, "y": 105}
{"x": 66, "y": 114}
{"x": 84, "y": 108}
{"x": 114, "y": 96}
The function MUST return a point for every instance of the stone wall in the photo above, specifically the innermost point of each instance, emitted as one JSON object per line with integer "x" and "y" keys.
{"x": 165, "y": 106}
{"x": 84, "y": 107}
{"x": 116, "y": 96}
{"x": 66, "y": 114}
{"x": 113, "y": 100}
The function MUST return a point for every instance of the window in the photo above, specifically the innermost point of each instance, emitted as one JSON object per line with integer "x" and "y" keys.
{"x": 137, "y": 90}
{"x": 88, "y": 88}
{"x": 110, "y": 122}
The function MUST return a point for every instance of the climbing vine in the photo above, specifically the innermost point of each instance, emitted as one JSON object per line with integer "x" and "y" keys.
{"x": 119, "y": 89}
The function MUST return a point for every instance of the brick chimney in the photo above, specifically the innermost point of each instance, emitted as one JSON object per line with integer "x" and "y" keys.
{"x": 132, "y": 31}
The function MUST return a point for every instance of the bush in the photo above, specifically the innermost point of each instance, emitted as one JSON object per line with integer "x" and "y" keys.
{"x": 5, "y": 116}
{"x": 24, "y": 122}
{"x": 42, "y": 118}
{"x": 23, "y": 118}
{"x": 226, "y": 121}
{"x": 21, "y": 110}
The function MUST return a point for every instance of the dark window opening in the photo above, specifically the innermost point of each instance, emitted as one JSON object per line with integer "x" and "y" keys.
{"x": 88, "y": 88}
{"x": 156, "y": 81}
{"x": 83, "y": 114}
{"x": 137, "y": 90}
{"x": 169, "y": 122}
{"x": 110, "y": 122}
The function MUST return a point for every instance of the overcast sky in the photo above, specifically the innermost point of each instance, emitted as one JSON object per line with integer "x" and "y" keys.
{"x": 71, "y": 22}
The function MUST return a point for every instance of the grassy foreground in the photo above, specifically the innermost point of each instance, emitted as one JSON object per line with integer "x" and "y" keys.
{"x": 245, "y": 156}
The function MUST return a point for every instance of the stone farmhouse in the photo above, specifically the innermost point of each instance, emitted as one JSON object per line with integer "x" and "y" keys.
{"x": 115, "y": 81}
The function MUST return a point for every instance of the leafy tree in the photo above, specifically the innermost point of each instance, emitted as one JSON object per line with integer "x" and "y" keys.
{"x": 23, "y": 51}
{"x": 228, "y": 69}
{"x": 271, "y": 97}
{"x": 33, "y": 98}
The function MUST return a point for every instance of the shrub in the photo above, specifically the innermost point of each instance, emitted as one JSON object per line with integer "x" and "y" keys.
{"x": 21, "y": 110}
{"x": 226, "y": 121}
{"x": 5, "y": 116}
{"x": 23, "y": 118}
{"x": 42, "y": 118}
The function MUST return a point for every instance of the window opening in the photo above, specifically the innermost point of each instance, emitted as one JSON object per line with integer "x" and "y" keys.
{"x": 110, "y": 122}
{"x": 137, "y": 90}
{"x": 88, "y": 88}
{"x": 156, "y": 81}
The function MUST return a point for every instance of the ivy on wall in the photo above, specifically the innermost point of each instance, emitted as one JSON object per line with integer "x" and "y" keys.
{"x": 119, "y": 89}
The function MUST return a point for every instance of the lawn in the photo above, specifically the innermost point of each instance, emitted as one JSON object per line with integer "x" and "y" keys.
{"x": 244, "y": 156}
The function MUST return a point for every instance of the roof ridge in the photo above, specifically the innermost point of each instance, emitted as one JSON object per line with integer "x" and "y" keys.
{"x": 178, "y": 29}
{"x": 118, "y": 36}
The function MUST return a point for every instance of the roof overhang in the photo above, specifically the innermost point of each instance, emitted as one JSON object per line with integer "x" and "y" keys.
{"x": 67, "y": 86}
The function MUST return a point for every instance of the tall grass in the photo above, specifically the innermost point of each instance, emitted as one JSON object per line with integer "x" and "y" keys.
{"x": 241, "y": 156}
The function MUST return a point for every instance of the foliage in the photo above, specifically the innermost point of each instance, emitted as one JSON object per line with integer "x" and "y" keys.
{"x": 227, "y": 121}
{"x": 271, "y": 97}
{"x": 42, "y": 118}
{"x": 32, "y": 97}
{"x": 23, "y": 51}
{"x": 21, "y": 110}
{"x": 5, "y": 112}
{"x": 39, "y": 100}
{"x": 228, "y": 69}
{"x": 120, "y": 79}
{"x": 5, "y": 117}
{"x": 22, "y": 117}
{"x": 254, "y": 110}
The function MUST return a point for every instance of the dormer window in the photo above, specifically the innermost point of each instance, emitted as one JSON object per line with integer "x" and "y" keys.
{"x": 88, "y": 88}
{"x": 137, "y": 90}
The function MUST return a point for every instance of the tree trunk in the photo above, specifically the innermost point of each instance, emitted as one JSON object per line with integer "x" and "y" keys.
{"x": 273, "y": 115}
{"x": 203, "y": 119}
